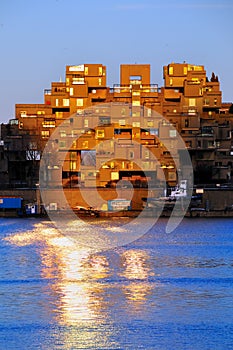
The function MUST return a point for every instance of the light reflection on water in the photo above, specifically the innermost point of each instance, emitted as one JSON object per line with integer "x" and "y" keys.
{"x": 156, "y": 293}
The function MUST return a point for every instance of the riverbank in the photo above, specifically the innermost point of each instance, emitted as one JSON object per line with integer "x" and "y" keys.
{"x": 211, "y": 202}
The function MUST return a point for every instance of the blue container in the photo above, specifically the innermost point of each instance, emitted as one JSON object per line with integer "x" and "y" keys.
{"x": 10, "y": 202}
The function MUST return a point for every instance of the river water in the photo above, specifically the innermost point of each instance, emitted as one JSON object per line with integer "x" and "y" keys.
{"x": 163, "y": 291}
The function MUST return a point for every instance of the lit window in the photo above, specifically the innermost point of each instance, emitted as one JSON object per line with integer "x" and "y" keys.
{"x": 100, "y": 71}
{"x": 71, "y": 91}
{"x": 192, "y": 102}
{"x": 100, "y": 81}
{"x": 79, "y": 102}
{"x": 85, "y": 144}
{"x": 59, "y": 114}
{"x": 73, "y": 165}
{"x": 85, "y": 123}
{"x": 62, "y": 133}
{"x": 122, "y": 122}
{"x": 147, "y": 154}
{"x": 171, "y": 82}
{"x": 170, "y": 70}
{"x": 40, "y": 112}
{"x": 23, "y": 113}
{"x": 136, "y": 103}
{"x": 77, "y": 81}
{"x": 57, "y": 102}
{"x": 49, "y": 124}
{"x": 136, "y": 124}
{"x": 66, "y": 102}
{"x": 185, "y": 70}
{"x": 45, "y": 133}
{"x": 150, "y": 123}
{"x": 100, "y": 134}
{"x": 86, "y": 70}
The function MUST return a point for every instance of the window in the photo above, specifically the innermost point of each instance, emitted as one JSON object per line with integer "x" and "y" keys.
{"x": 135, "y": 103}
{"x": 154, "y": 132}
{"x": 73, "y": 165}
{"x": 131, "y": 154}
{"x": 149, "y": 112}
{"x": 45, "y": 133}
{"x": 86, "y": 70}
{"x": 85, "y": 144}
{"x": 49, "y": 124}
{"x": 100, "y": 70}
{"x": 122, "y": 122}
{"x": 206, "y": 102}
{"x": 135, "y": 79}
{"x": 170, "y": 70}
{"x": 59, "y": 114}
{"x": 123, "y": 111}
{"x": 150, "y": 123}
{"x": 23, "y": 113}
{"x": 172, "y": 133}
{"x": 171, "y": 82}
{"x": 185, "y": 70}
{"x": 77, "y": 81}
{"x": 62, "y": 144}
{"x": 192, "y": 102}
{"x": 57, "y": 102}
{"x": 147, "y": 154}
{"x": 100, "y": 81}
{"x": 85, "y": 123}
{"x": 62, "y": 133}
{"x": 40, "y": 112}
{"x": 71, "y": 91}
{"x": 66, "y": 102}
{"x": 79, "y": 102}
{"x": 188, "y": 144}
{"x": 100, "y": 134}
{"x": 136, "y": 124}
{"x": 104, "y": 120}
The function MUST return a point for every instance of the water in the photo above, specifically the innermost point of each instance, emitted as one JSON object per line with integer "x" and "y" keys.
{"x": 163, "y": 291}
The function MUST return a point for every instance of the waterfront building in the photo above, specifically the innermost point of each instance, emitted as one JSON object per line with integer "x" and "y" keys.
{"x": 133, "y": 111}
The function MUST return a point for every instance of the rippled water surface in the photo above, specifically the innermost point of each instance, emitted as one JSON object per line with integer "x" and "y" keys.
{"x": 163, "y": 291}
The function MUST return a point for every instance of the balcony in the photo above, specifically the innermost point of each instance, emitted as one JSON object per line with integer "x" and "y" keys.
{"x": 122, "y": 90}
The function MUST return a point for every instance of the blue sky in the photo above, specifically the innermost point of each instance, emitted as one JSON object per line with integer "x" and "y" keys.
{"x": 39, "y": 38}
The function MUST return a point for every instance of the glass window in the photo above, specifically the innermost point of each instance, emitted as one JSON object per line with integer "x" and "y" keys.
{"x": 192, "y": 102}
{"x": 172, "y": 133}
{"x": 79, "y": 102}
{"x": 45, "y": 133}
{"x": 170, "y": 70}
{"x": 66, "y": 102}
{"x": 100, "y": 134}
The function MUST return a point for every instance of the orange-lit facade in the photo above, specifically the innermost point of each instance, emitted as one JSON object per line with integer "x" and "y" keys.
{"x": 189, "y": 101}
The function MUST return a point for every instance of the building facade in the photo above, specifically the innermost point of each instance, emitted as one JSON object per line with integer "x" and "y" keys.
{"x": 129, "y": 132}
